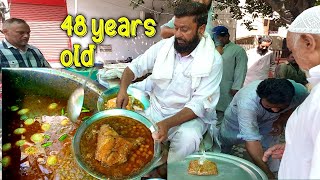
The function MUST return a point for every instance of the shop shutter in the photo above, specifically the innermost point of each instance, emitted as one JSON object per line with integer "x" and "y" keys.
{"x": 44, "y": 22}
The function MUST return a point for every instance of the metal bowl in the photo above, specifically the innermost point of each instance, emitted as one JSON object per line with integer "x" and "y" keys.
{"x": 85, "y": 72}
{"x": 112, "y": 93}
{"x": 108, "y": 113}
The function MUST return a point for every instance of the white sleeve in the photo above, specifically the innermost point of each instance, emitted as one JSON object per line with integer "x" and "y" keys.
{"x": 144, "y": 63}
{"x": 315, "y": 164}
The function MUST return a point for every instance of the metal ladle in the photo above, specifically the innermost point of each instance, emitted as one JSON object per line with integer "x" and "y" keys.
{"x": 76, "y": 99}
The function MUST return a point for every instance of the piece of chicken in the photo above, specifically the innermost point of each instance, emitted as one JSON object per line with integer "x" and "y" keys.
{"x": 112, "y": 149}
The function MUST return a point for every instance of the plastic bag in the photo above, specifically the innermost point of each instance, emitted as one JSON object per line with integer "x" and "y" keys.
{"x": 104, "y": 75}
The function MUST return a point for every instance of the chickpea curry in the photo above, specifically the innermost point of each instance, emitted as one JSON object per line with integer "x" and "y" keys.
{"x": 117, "y": 146}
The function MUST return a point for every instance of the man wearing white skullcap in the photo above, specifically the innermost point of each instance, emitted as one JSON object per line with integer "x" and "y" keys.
{"x": 301, "y": 157}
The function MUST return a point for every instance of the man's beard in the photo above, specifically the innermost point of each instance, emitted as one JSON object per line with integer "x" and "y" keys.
{"x": 261, "y": 51}
{"x": 188, "y": 47}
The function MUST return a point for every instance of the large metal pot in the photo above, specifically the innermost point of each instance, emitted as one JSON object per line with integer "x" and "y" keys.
{"x": 60, "y": 83}
{"x": 38, "y": 82}
{"x": 57, "y": 83}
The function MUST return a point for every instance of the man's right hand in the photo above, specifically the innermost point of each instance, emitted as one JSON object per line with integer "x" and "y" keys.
{"x": 275, "y": 152}
{"x": 254, "y": 148}
{"x": 126, "y": 79}
{"x": 122, "y": 100}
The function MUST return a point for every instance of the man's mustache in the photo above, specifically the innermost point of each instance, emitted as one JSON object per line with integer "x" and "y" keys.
{"x": 178, "y": 39}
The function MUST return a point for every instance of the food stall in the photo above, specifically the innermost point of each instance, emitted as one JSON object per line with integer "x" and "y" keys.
{"x": 39, "y": 141}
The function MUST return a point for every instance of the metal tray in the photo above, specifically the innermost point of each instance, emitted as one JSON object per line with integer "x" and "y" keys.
{"x": 229, "y": 167}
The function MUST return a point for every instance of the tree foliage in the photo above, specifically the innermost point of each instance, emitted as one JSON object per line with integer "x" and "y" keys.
{"x": 286, "y": 10}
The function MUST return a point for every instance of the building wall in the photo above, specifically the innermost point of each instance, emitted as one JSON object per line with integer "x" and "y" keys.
{"x": 225, "y": 19}
{"x": 121, "y": 47}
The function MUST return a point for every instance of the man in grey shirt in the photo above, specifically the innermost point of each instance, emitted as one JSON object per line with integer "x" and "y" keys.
{"x": 15, "y": 50}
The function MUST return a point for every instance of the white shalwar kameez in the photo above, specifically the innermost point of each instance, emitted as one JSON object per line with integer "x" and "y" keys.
{"x": 301, "y": 158}
{"x": 258, "y": 66}
{"x": 181, "y": 82}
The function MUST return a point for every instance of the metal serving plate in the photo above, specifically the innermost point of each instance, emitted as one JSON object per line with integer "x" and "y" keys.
{"x": 115, "y": 112}
{"x": 112, "y": 92}
{"x": 229, "y": 167}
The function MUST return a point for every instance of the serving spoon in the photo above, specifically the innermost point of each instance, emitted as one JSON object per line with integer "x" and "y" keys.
{"x": 76, "y": 99}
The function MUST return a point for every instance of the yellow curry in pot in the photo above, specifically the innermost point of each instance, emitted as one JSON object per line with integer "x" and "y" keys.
{"x": 37, "y": 140}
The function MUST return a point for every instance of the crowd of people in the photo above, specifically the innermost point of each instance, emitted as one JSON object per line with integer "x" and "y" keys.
{"x": 201, "y": 83}
{"x": 228, "y": 92}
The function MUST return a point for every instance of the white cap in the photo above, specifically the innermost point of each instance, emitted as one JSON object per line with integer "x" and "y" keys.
{"x": 307, "y": 22}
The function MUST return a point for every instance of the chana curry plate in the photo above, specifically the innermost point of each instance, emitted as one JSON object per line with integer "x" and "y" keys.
{"x": 116, "y": 144}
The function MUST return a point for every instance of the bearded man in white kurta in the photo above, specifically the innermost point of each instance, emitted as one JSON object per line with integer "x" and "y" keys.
{"x": 184, "y": 84}
{"x": 301, "y": 159}
{"x": 259, "y": 60}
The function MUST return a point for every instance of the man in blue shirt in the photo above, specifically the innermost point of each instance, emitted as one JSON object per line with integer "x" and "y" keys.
{"x": 257, "y": 113}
